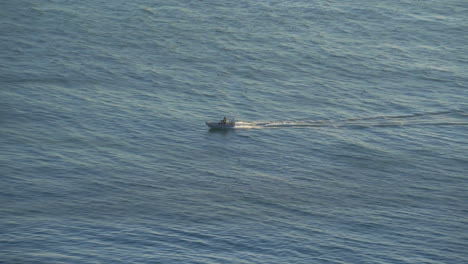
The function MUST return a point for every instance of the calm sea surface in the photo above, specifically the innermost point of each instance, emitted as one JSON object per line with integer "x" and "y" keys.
{"x": 351, "y": 146}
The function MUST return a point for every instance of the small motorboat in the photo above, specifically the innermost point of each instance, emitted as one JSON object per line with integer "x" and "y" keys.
{"x": 223, "y": 124}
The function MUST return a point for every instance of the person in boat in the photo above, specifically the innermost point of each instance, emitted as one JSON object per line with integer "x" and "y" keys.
{"x": 224, "y": 120}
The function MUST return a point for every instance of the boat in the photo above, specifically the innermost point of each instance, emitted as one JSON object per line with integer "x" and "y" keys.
{"x": 223, "y": 124}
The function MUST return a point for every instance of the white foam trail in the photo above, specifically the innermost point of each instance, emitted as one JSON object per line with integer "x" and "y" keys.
{"x": 446, "y": 118}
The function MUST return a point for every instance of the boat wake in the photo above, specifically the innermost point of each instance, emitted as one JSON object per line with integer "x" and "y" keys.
{"x": 447, "y": 118}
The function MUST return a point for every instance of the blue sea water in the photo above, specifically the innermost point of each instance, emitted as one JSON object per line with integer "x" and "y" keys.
{"x": 351, "y": 144}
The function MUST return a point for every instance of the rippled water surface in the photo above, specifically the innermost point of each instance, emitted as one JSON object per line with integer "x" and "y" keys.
{"x": 351, "y": 141}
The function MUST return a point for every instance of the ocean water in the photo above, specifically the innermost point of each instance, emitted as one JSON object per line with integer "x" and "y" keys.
{"x": 351, "y": 144}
